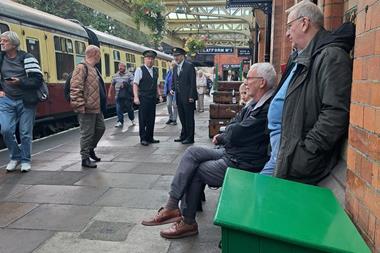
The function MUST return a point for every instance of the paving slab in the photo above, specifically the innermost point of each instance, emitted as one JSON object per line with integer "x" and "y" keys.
{"x": 46, "y": 178}
{"x": 124, "y": 214}
{"x": 122, "y": 180}
{"x": 155, "y": 168}
{"x": 117, "y": 167}
{"x": 64, "y": 242}
{"x": 9, "y": 212}
{"x": 57, "y": 218}
{"x": 162, "y": 183}
{"x": 60, "y": 194}
{"x": 22, "y": 241}
{"x": 8, "y": 190}
{"x": 107, "y": 231}
{"x": 149, "y": 199}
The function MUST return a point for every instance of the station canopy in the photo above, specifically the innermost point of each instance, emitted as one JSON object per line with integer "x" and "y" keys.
{"x": 185, "y": 18}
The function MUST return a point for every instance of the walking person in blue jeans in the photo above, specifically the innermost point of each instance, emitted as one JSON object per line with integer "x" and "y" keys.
{"x": 121, "y": 88}
{"x": 170, "y": 99}
{"x": 21, "y": 76}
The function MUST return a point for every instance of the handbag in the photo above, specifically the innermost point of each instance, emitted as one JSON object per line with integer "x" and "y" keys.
{"x": 43, "y": 92}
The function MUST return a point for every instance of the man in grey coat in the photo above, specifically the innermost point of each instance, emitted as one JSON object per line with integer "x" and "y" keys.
{"x": 313, "y": 119}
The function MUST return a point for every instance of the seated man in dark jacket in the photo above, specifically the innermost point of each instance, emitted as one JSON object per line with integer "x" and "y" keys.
{"x": 245, "y": 144}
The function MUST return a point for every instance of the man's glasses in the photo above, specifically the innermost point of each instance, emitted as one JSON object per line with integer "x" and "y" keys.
{"x": 254, "y": 77}
{"x": 289, "y": 25}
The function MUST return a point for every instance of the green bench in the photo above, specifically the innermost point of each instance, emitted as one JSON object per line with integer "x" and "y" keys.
{"x": 261, "y": 214}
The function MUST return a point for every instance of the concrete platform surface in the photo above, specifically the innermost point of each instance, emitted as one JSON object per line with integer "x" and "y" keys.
{"x": 61, "y": 207}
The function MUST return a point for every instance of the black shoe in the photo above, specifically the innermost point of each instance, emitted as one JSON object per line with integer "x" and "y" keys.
{"x": 144, "y": 143}
{"x": 168, "y": 122}
{"x": 179, "y": 140}
{"x": 94, "y": 157}
{"x": 88, "y": 163}
{"x": 188, "y": 141}
{"x": 174, "y": 123}
{"x": 155, "y": 141}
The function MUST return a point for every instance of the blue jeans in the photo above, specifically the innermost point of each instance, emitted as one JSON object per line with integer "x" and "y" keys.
{"x": 124, "y": 104}
{"x": 172, "y": 107}
{"x": 271, "y": 164}
{"x": 13, "y": 112}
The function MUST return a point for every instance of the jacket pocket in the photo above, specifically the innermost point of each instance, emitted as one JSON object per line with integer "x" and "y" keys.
{"x": 305, "y": 164}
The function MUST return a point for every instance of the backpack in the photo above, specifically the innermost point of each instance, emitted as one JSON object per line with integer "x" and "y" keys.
{"x": 66, "y": 91}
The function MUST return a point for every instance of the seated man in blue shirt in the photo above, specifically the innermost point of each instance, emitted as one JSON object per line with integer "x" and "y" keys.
{"x": 245, "y": 143}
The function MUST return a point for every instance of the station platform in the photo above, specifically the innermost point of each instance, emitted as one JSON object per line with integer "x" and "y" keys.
{"x": 60, "y": 207}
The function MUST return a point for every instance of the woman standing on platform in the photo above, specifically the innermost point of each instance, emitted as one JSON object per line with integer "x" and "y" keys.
{"x": 201, "y": 89}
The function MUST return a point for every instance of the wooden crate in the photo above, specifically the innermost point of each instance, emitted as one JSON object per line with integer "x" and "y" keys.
{"x": 214, "y": 126}
{"x": 224, "y": 111}
{"x": 225, "y": 97}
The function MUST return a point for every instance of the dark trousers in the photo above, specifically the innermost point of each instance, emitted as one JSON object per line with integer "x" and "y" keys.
{"x": 92, "y": 128}
{"x": 198, "y": 166}
{"x": 147, "y": 115}
{"x": 186, "y": 116}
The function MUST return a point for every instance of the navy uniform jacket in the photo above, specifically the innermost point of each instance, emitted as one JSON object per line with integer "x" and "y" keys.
{"x": 185, "y": 84}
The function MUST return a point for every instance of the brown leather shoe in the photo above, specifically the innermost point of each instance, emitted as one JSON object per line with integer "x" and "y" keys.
{"x": 163, "y": 216}
{"x": 180, "y": 229}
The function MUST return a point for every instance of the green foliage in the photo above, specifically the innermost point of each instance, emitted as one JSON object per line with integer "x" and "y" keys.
{"x": 149, "y": 12}
{"x": 70, "y": 9}
{"x": 194, "y": 44}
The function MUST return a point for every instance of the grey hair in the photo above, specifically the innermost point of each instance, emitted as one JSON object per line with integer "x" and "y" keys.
{"x": 308, "y": 9}
{"x": 266, "y": 71}
{"x": 13, "y": 38}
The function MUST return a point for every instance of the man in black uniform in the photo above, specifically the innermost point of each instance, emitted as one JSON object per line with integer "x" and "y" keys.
{"x": 184, "y": 84}
{"x": 145, "y": 90}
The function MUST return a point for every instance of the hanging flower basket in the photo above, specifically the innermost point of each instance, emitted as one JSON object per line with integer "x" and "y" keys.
{"x": 195, "y": 44}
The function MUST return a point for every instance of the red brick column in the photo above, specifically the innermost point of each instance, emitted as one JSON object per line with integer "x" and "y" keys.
{"x": 363, "y": 157}
{"x": 333, "y": 11}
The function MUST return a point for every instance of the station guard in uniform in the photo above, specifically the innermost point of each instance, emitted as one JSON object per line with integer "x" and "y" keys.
{"x": 145, "y": 90}
{"x": 184, "y": 86}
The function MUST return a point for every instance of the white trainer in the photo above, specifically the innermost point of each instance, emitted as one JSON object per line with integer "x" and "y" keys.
{"x": 118, "y": 124}
{"x": 12, "y": 165}
{"x": 25, "y": 167}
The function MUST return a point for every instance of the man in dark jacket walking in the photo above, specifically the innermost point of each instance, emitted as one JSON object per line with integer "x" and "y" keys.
{"x": 185, "y": 88}
{"x": 316, "y": 95}
{"x": 245, "y": 144}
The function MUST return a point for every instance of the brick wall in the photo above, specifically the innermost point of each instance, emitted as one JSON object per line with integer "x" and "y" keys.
{"x": 333, "y": 11}
{"x": 221, "y": 59}
{"x": 363, "y": 157}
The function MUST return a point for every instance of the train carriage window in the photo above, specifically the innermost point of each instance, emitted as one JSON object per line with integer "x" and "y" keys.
{"x": 116, "y": 58}
{"x": 3, "y": 28}
{"x": 64, "y": 56}
{"x": 156, "y": 63}
{"x": 80, "y": 49}
{"x": 131, "y": 61}
{"x": 33, "y": 47}
{"x": 164, "y": 72}
{"x": 107, "y": 64}
{"x": 142, "y": 60}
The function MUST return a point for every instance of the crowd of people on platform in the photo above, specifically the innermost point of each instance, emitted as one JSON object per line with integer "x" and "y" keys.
{"x": 291, "y": 130}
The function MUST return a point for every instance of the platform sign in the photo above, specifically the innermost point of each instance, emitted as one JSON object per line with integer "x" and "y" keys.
{"x": 217, "y": 50}
{"x": 230, "y": 66}
{"x": 244, "y": 52}
{"x": 246, "y": 61}
{"x": 245, "y": 3}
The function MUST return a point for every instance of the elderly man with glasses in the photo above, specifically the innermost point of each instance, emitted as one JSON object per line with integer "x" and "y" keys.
{"x": 244, "y": 142}
{"x": 308, "y": 116}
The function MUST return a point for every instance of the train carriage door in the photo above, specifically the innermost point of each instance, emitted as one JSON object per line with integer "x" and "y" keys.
{"x": 36, "y": 44}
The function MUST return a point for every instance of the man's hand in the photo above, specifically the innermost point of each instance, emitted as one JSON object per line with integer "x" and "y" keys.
{"x": 13, "y": 81}
{"x": 161, "y": 99}
{"x": 214, "y": 140}
{"x": 172, "y": 92}
{"x": 191, "y": 100}
{"x": 136, "y": 100}
{"x": 2, "y": 94}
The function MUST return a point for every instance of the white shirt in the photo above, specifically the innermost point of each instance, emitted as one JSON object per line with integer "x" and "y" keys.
{"x": 179, "y": 67}
{"x": 138, "y": 75}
